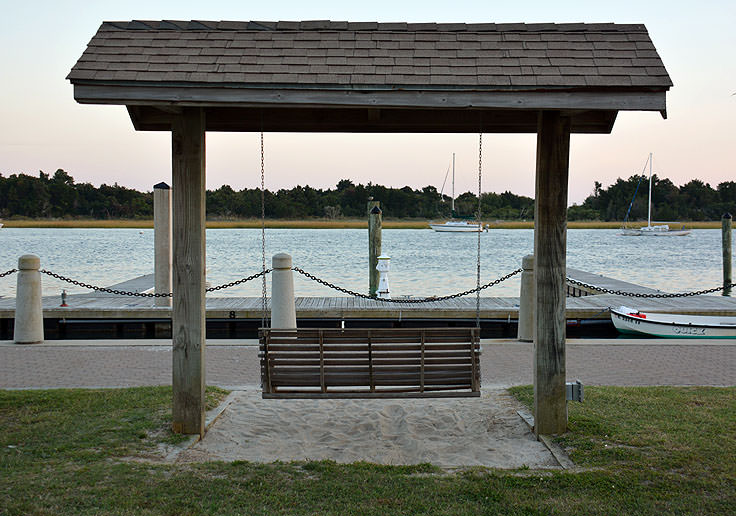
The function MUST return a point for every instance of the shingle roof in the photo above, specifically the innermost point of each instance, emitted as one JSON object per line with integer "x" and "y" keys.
{"x": 329, "y": 54}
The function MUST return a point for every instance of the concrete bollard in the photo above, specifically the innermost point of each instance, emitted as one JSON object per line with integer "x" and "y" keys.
{"x": 162, "y": 242}
{"x": 283, "y": 309}
{"x": 28, "y": 328}
{"x": 526, "y": 300}
{"x": 384, "y": 265}
{"x": 726, "y": 244}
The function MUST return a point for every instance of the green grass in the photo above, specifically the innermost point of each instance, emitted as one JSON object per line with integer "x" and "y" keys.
{"x": 638, "y": 451}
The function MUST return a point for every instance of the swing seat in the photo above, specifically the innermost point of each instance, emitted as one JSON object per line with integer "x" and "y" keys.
{"x": 370, "y": 363}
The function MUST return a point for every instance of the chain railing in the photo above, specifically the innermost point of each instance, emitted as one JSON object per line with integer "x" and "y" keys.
{"x": 647, "y": 295}
{"x": 349, "y": 292}
{"x": 404, "y": 301}
{"x": 145, "y": 294}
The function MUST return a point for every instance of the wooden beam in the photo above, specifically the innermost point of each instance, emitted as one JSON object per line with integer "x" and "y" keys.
{"x": 361, "y": 120}
{"x": 624, "y": 99}
{"x": 550, "y": 242}
{"x": 188, "y": 311}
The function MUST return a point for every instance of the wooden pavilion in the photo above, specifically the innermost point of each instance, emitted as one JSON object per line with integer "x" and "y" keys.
{"x": 189, "y": 77}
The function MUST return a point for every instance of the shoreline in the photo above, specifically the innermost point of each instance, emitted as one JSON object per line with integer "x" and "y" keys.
{"x": 313, "y": 224}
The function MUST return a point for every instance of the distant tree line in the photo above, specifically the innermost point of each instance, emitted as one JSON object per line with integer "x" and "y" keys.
{"x": 58, "y": 196}
{"x": 693, "y": 201}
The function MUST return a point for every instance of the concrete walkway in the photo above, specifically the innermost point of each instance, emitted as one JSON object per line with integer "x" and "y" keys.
{"x": 234, "y": 364}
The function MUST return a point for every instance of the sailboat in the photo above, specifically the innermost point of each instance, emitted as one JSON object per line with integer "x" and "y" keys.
{"x": 456, "y": 226}
{"x": 649, "y": 230}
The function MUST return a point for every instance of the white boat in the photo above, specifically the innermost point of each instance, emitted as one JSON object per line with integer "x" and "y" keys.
{"x": 455, "y": 226}
{"x": 632, "y": 321}
{"x": 649, "y": 230}
{"x": 461, "y": 226}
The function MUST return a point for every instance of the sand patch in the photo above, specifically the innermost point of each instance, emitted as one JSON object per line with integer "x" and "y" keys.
{"x": 483, "y": 431}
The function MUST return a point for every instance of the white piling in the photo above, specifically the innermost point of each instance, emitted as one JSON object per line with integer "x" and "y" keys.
{"x": 162, "y": 242}
{"x": 384, "y": 265}
{"x": 28, "y": 328}
{"x": 526, "y": 300}
{"x": 283, "y": 309}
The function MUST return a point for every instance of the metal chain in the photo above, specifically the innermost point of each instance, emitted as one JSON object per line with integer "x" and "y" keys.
{"x": 240, "y": 281}
{"x": 147, "y": 294}
{"x": 263, "y": 235}
{"x": 103, "y": 289}
{"x": 480, "y": 229}
{"x": 405, "y": 301}
{"x": 640, "y": 294}
{"x": 7, "y": 273}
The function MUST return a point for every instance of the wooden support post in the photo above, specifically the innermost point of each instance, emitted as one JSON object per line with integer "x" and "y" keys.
{"x": 188, "y": 312}
{"x": 162, "y": 242}
{"x": 726, "y": 234}
{"x": 374, "y": 244}
{"x": 550, "y": 241}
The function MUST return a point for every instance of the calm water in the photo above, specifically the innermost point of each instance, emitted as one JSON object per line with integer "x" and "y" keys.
{"x": 423, "y": 262}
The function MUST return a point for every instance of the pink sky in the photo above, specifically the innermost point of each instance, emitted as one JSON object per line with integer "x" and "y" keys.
{"x": 44, "y": 129}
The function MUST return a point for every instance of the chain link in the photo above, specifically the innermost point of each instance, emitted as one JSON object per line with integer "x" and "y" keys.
{"x": 480, "y": 230}
{"x": 145, "y": 294}
{"x": 7, "y": 273}
{"x": 405, "y": 301}
{"x": 264, "y": 314}
{"x": 644, "y": 295}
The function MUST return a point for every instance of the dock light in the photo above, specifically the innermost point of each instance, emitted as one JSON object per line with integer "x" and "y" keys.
{"x": 574, "y": 391}
{"x": 383, "y": 268}
{"x": 63, "y": 298}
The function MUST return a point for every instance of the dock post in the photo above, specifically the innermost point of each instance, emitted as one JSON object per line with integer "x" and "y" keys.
{"x": 727, "y": 253}
{"x": 374, "y": 244}
{"x": 283, "y": 309}
{"x": 162, "y": 242}
{"x": 526, "y": 300}
{"x": 28, "y": 327}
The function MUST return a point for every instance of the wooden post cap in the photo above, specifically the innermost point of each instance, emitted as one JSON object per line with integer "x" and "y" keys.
{"x": 527, "y": 263}
{"x": 281, "y": 261}
{"x": 29, "y": 262}
{"x": 726, "y": 215}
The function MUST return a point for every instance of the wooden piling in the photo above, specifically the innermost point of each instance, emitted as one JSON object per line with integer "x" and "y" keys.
{"x": 188, "y": 312}
{"x": 726, "y": 234}
{"x": 550, "y": 242}
{"x": 162, "y": 242}
{"x": 375, "y": 221}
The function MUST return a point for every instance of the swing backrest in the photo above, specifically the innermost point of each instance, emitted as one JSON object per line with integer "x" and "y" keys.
{"x": 366, "y": 363}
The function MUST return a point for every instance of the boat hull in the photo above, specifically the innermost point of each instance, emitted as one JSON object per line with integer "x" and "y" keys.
{"x": 456, "y": 228}
{"x": 654, "y": 232}
{"x": 679, "y": 326}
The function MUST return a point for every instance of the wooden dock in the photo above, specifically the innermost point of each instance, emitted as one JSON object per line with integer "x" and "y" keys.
{"x": 98, "y": 305}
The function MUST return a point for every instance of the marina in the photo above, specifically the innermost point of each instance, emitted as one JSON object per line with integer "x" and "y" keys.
{"x": 100, "y": 314}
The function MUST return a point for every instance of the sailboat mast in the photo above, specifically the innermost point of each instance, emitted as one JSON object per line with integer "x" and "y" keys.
{"x": 649, "y": 214}
{"x": 452, "y": 203}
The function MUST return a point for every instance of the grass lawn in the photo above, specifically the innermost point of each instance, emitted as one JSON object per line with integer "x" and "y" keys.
{"x": 638, "y": 450}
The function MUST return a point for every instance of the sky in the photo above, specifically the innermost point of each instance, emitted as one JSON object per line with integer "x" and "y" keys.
{"x": 42, "y": 128}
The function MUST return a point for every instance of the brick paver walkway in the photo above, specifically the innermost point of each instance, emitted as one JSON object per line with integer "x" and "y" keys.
{"x": 504, "y": 363}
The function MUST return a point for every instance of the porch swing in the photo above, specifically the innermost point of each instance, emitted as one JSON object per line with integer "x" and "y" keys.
{"x": 370, "y": 362}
